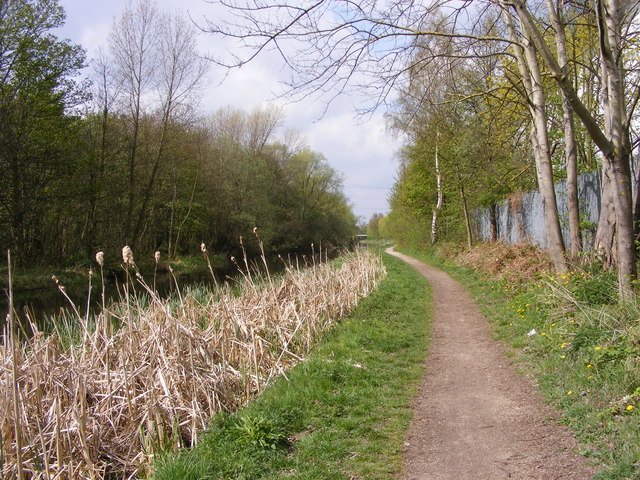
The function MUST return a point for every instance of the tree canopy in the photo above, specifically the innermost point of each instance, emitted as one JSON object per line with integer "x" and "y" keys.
{"x": 126, "y": 156}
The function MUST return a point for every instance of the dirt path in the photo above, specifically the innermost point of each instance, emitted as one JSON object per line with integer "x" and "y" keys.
{"x": 475, "y": 418}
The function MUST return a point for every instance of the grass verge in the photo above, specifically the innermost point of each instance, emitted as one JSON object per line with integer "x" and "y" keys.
{"x": 584, "y": 354}
{"x": 342, "y": 414}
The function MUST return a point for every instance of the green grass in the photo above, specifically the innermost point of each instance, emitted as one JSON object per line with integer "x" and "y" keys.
{"x": 585, "y": 355}
{"x": 342, "y": 414}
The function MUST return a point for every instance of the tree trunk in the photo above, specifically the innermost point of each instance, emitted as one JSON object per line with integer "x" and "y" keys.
{"x": 604, "y": 243}
{"x": 438, "y": 207}
{"x": 467, "y": 217}
{"x": 527, "y": 61}
{"x": 571, "y": 158}
{"x": 617, "y": 158}
{"x": 613, "y": 142}
{"x": 573, "y": 208}
{"x": 493, "y": 223}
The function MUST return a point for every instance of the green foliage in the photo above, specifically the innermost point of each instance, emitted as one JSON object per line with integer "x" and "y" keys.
{"x": 376, "y": 227}
{"x": 148, "y": 174}
{"x": 37, "y": 136}
{"x": 341, "y": 414}
{"x": 258, "y": 430}
{"x": 480, "y": 160}
{"x": 598, "y": 288}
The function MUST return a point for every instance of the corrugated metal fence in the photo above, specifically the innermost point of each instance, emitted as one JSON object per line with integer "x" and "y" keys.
{"x": 519, "y": 219}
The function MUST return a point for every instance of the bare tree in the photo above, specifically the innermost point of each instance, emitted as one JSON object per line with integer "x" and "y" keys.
{"x": 132, "y": 42}
{"x": 180, "y": 72}
{"x": 158, "y": 70}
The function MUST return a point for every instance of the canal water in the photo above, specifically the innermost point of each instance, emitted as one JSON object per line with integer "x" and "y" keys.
{"x": 43, "y": 304}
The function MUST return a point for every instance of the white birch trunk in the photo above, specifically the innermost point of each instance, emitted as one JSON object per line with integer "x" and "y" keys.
{"x": 436, "y": 210}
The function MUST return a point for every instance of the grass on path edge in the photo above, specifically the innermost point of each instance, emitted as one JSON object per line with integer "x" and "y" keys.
{"x": 583, "y": 357}
{"x": 342, "y": 414}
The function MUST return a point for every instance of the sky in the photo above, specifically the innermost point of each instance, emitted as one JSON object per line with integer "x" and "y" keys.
{"x": 360, "y": 149}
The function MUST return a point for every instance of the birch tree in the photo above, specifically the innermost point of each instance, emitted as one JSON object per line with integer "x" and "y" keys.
{"x": 439, "y": 195}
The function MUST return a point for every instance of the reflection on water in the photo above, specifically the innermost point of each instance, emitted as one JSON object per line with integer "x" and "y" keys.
{"x": 41, "y": 304}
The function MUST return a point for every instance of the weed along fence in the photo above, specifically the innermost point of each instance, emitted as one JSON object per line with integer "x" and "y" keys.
{"x": 103, "y": 394}
{"x": 519, "y": 219}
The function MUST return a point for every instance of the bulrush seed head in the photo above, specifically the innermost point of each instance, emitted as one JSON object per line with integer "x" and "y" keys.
{"x": 100, "y": 258}
{"x": 156, "y": 257}
{"x": 59, "y": 285}
{"x": 127, "y": 256}
{"x": 203, "y": 248}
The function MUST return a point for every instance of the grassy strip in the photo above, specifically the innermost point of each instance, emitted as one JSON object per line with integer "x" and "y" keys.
{"x": 585, "y": 354}
{"x": 342, "y": 413}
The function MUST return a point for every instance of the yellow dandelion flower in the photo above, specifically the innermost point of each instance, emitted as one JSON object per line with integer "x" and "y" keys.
{"x": 570, "y": 392}
{"x": 597, "y": 348}
{"x": 563, "y": 356}
{"x": 630, "y": 407}
{"x": 590, "y": 377}
{"x": 589, "y": 366}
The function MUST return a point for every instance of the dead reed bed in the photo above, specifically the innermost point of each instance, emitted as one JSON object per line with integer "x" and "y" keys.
{"x": 100, "y": 398}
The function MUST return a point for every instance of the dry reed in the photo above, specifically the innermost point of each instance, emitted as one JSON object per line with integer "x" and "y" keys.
{"x": 102, "y": 405}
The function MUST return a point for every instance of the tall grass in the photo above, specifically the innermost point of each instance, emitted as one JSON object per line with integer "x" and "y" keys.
{"x": 144, "y": 375}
